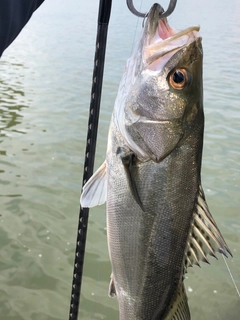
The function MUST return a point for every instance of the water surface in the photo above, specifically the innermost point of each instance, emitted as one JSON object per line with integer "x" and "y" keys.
{"x": 45, "y": 84}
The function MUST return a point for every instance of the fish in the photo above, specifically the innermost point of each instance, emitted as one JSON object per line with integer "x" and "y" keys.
{"x": 158, "y": 220}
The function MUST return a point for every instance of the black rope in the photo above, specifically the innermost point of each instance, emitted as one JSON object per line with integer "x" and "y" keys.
{"x": 103, "y": 20}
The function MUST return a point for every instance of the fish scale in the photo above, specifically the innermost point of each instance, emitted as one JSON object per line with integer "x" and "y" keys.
{"x": 147, "y": 237}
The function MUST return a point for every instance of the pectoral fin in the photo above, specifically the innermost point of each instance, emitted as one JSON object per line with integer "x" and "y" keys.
{"x": 95, "y": 190}
{"x": 127, "y": 160}
{"x": 204, "y": 236}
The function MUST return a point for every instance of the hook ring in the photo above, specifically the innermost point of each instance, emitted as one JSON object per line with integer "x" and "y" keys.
{"x": 165, "y": 14}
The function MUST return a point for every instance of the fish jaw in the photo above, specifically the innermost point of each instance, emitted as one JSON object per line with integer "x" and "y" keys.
{"x": 147, "y": 106}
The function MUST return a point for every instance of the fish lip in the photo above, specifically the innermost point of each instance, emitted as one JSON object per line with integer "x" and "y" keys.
{"x": 159, "y": 47}
{"x": 177, "y": 34}
{"x": 161, "y": 39}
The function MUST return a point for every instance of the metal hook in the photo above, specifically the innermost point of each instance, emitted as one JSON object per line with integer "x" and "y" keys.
{"x": 165, "y": 14}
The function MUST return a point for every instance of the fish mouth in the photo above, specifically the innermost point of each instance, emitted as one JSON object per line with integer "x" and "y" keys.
{"x": 162, "y": 41}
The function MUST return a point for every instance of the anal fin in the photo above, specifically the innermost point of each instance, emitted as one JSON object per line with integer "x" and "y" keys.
{"x": 112, "y": 291}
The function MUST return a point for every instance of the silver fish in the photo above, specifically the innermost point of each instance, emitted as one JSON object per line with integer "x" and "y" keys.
{"x": 158, "y": 221}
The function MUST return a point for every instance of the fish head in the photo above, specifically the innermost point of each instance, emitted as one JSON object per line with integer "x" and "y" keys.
{"x": 164, "y": 99}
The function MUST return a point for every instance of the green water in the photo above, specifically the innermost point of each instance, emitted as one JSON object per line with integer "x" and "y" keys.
{"x": 45, "y": 83}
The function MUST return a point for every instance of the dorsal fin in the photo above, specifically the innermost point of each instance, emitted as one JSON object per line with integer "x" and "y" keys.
{"x": 179, "y": 309}
{"x": 204, "y": 236}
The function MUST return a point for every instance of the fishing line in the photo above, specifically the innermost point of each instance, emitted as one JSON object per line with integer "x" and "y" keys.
{"x": 96, "y": 291}
{"x": 234, "y": 283}
{"x": 136, "y": 27}
{"x": 99, "y": 270}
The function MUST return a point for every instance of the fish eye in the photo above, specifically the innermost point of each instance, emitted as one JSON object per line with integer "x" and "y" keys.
{"x": 179, "y": 79}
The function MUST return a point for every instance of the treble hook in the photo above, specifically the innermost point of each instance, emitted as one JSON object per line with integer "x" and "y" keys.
{"x": 165, "y": 14}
